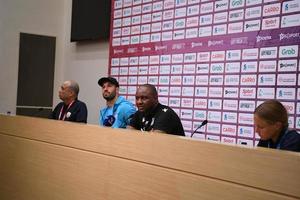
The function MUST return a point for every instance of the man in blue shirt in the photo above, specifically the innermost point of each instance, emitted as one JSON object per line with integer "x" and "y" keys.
{"x": 118, "y": 110}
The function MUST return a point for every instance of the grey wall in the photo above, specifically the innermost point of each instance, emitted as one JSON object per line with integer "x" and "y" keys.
{"x": 84, "y": 63}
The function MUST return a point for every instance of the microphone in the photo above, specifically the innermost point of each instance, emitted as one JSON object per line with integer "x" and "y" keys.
{"x": 202, "y": 124}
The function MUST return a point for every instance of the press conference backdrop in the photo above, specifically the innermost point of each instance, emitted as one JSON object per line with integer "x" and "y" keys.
{"x": 214, "y": 60}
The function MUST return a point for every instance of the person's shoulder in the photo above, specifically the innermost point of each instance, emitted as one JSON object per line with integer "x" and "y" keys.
{"x": 80, "y": 103}
{"x": 165, "y": 108}
{"x": 293, "y": 134}
{"x": 124, "y": 102}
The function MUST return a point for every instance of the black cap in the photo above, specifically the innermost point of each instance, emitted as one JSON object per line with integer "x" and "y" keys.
{"x": 108, "y": 79}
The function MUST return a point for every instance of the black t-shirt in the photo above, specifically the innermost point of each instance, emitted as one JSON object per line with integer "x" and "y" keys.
{"x": 161, "y": 118}
{"x": 77, "y": 112}
{"x": 288, "y": 140}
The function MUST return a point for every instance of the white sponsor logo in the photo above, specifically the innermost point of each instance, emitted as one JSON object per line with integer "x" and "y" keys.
{"x": 239, "y": 40}
{"x": 178, "y": 35}
{"x": 229, "y": 117}
{"x": 268, "y": 52}
{"x": 250, "y": 54}
{"x": 215, "y": 42}
{"x": 248, "y": 106}
{"x": 263, "y": 38}
{"x": 203, "y": 56}
{"x": 124, "y": 71}
{"x": 286, "y": 79}
{"x": 232, "y": 79}
{"x": 157, "y": 6}
{"x": 142, "y": 80}
{"x": 291, "y": 6}
{"x": 248, "y": 79}
{"x": 147, "y": 8}
{"x": 265, "y": 93}
{"x": 176, "y": 80}
{"x": 230, "y": 104}
{"x": 215, "y": 92}
{"x": 177, "y": 58}
{"x": 117, "y": 23}
{"x": 207, "y": 8}
{"x": 192, "y": 21}
{"x": 270, "y": 23}
{"x": 205, "y": 31}
{"x": 114, "y": 71}
{"x": 169, "y": 4}
{"x": 217, "y": 55}
{"x": 287, "y": 36}
{"x": 249, "y": 67}
{"x": 228, "y": 140}
{"x": 143, "y": 60}
{"x": 271, "y": 9}
{"x": 266, "y": 79}
{"x": 214, "y": 116}
{"x": 233, "y": 67}
{"x": 168, "y": 14}
{"x": 245, "y": 131}
{"x": 126, "y": 12}
{"x": 201, "y": 91}
{"x": 189, "y": 57}
{"x": 202, "y": 68}
{"x": 193, "y": 10}
{"x": 200, "y": 103}
{"x": 235, "y": 15}
{"x": 252, "y": 25}
{"x": 132, "y": 80}
{"x": 221, "y": 5}
{"x": 136, "y": 20}
{"x": 191, "y": 33}
{"x": 135, "y": 30}
{"x": 213, "y": 138}
{"x": 199, "y": 115}
{"x": 290, "y": 107}
{"x": 117, "y": 13}
{"x": 175, "y": 91}
{"x": 164, "y": 69}
{"x": 216, "y": 68}
{"x": 220, "y": 17}
{"x": 235, "y": 27}
{"x": 205, "y": 20}
{"x": 216, "y": 80}
{"x": 186, "y": 114}
{"x": 133, "y": 70}
{"x": 156, "y": 27}
{"x": 187, "y": 125}
{"x": 245, "y": 118}
{"x": 202, "y": 80}
{"x": 124, "y": 61}
{"x": 117, "y": 32}
{"x": 290, "y": 21}
{"x": 187, "y": 103}
{"x": 146, "y": 18}
{"x": 134, "y": 40}
{"x": 286, "y": 93}
{"x": 164, "y": 80}
{"x": 115, "y": 62}
{"x": 118, "y": 4}
{"x": 253, "y": 12}
{"x": 131, "y": 89}
{"x": 180, "y": 12}
{"x": 247, "y": 93}
{"x": 233, "y": 55}
{"x": 153, "y": 69}
{"x": 213, "y": 128}
{"x": 145, "y": 28}
{"x": 253, "y": 2}
{"x": 220, "y": 29}
{"x": 176, "y": 69}
{"x": 153, "y": 80}
{"x": 189, "y": 69}
{"x": 154, "y": 59}
{"x": 237, "y": 3}
{"x": 287, "y": 65}
{"x": 136, "y": 10}
{"x": 179, "y": 23}
{"x": 231, "y": 92}
{"x": 288, "y": 51}
{"x": 267, "y": 66}
{"x": 188, "y": 91}
{"x": 174, "y": 102}
{"x": 166, "y": 36}
{"x": 215, "y": 104}
{"x": 188, "y": 80}
{"x": 155, "y": 37}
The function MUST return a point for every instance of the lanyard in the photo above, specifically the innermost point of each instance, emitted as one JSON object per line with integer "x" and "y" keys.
{"x": 61, "y": 110}
{"x": 278, "y": 146}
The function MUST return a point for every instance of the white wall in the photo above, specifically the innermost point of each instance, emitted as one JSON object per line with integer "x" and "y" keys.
{"x": 85, "y": 63}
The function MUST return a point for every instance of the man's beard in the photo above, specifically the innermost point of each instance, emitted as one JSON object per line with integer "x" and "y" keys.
{"x": 110, "y": 97}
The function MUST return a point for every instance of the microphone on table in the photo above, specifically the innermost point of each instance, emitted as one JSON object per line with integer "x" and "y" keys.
{"x": 202, "y": 124}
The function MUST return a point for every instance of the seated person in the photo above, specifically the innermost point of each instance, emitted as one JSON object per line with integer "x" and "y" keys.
{"x": 153, "y": 116}
{"x": 271, "y": 124}
{"x": 118, "y": 110}
{"x": 70, "y": 109}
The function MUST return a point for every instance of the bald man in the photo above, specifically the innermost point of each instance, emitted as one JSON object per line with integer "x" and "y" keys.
{"x": 70, "y": 109}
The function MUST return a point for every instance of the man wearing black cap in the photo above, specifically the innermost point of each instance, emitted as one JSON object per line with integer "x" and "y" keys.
{"x": 118, "y": 110}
